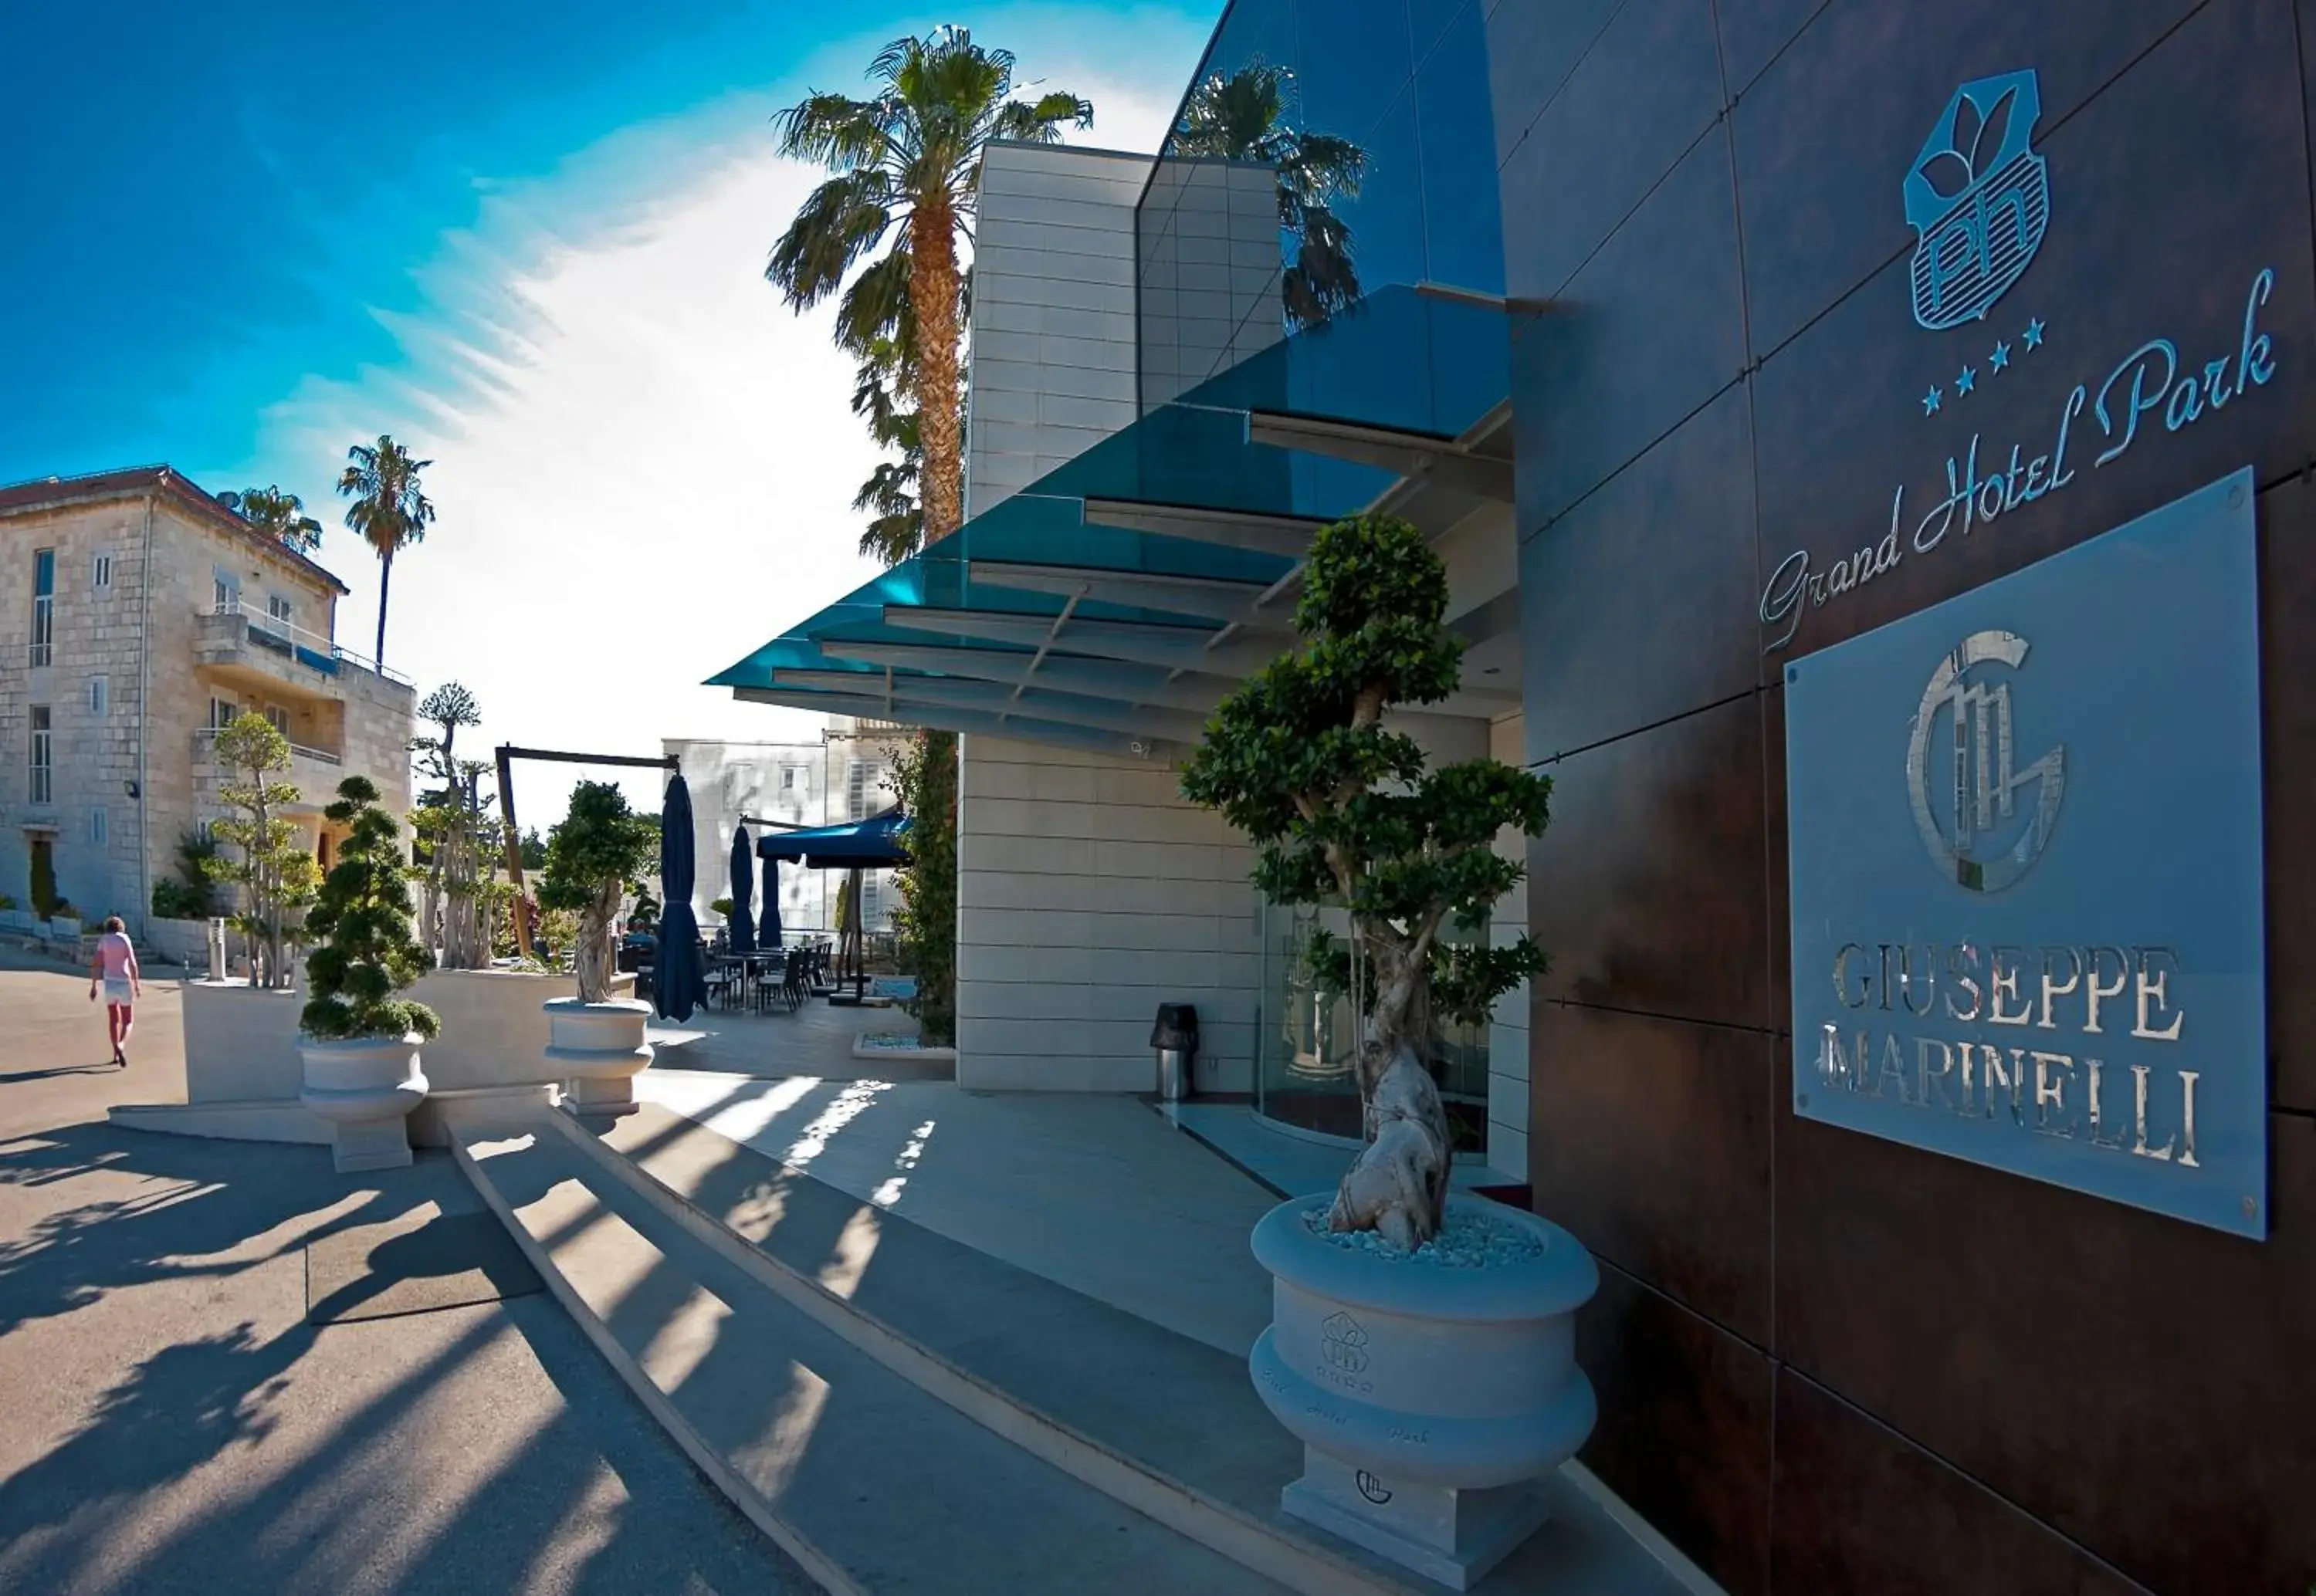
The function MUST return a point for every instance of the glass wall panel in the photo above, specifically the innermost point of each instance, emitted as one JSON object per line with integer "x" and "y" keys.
{"x": 1305, "y": 1041}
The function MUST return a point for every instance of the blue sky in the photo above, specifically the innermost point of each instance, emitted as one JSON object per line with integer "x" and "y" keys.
{"x": 526, "y": 239}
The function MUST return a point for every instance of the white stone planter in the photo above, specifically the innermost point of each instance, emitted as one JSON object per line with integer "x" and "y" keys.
{"x": 366, "y": 1089}
{"x": 598, "y": 1049}
{"x": 1427, "y": 1396}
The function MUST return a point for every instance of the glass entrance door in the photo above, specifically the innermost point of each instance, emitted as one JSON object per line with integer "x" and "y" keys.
{"x": 1305, "y": 1040}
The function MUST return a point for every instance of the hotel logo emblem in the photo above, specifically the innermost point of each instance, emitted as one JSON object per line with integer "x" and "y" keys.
{"x": 1978, "y": 199}
{"x": 1343, "y": 1342}
{"x": 1973, "y": 836}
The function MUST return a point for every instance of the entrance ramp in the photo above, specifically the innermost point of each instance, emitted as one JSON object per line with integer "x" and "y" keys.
{"x": 867, "y": 1480}
{"x": 1159, "y": 1419}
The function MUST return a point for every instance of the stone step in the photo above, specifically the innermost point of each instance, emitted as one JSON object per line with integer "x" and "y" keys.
{"x": 1165, "y": 1423}
{"x": 869, "y": 1481}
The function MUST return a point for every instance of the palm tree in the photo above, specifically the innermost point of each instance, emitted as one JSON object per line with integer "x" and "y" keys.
{"x": 388, "y": 510}
{"x": 280, "y": 515}
{"x": 1243, "y": 118}
{"x": 905, "y": 163}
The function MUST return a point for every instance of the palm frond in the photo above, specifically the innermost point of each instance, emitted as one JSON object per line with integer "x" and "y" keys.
{"x": 840, "y": 221}
{"x": 837, "y": 131}
{"x": 876, "y": 308}
{"x": 1040, "y": 122}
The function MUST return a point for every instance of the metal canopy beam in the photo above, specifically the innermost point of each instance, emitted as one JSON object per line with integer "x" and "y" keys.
{"x": 1425, "y": 455}
{"x": 1174, "y": 648}
{"x": 1235, "y": 602}
{"x": 1075, "y": 709}
{"x": 1068, "y": 673}
{"x": 972, "y": 722}
{"x": 1285, "y": 536}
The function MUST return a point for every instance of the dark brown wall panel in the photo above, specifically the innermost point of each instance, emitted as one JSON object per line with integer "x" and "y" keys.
{"x": 1635, "y": 103}
{"x": 1860, "y": 1508}
{"x": 1838, "y": 415}
{"x": 2139, "y": 1383}
{"x": 1642, "y": 596}
{"x": 1644, "y": 335}
{"x": 1648, "y": 890}
{"x": 1650, "y": 1141}
{"x": 1686, "y": 1410}
{"x": 1826, "y": 135}
{"x": 2287, "y": 628}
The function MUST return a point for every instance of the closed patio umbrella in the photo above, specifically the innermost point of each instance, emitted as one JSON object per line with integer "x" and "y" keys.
{"x": 743, "y": 929}
{"x": 678, "y": 984}
{"x": 768, "y": 930}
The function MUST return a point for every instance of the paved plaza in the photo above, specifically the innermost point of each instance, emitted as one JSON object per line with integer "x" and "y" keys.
{"x": 174, "y": 1423}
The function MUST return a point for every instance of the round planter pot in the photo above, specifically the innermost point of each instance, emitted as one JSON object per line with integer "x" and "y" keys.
{"x": 1427, "y": 1395}
{"x": 366, "y": 1089}
{"x": 598, "y": 1049}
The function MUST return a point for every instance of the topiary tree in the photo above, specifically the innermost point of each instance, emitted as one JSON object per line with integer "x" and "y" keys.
{"x": 369, "y": 952}
{"x": 1345, "y": 813}
{"x": 601, "y": 847}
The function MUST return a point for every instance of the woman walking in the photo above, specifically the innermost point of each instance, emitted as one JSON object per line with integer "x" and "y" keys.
{"x": 115, "y": 966}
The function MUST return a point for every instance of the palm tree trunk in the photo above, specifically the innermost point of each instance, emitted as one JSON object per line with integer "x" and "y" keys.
{"x": 932, "y": 297}
{"x": 385, "y": 576}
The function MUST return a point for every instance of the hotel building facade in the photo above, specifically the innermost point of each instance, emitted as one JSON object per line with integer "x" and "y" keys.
{"x": 1871, "y": 449}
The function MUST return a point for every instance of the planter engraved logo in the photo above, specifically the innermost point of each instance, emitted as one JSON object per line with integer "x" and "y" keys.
{"x": 1372, "y": 1488}
{"x": 1978, "y": 199}
{"x": 1343, "y": 1342}
{"x": 1984, "y": 793}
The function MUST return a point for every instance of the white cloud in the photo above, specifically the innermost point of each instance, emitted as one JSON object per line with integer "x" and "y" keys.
{"x": 644, "y": 462}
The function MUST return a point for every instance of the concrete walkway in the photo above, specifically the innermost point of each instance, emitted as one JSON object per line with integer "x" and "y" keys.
{"x": 1092, "y": 1191}
{"x": 174, "y": 1426}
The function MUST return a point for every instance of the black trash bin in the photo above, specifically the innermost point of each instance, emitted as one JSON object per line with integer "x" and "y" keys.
{"x": 1176, "y": 1038}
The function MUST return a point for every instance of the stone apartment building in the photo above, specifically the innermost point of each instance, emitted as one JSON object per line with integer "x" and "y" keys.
{"x": 843, "y": 776}
{"x": 136, "y": 616}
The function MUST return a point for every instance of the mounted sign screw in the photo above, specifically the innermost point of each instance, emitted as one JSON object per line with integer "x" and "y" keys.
{"x": 1793, "y": 673}
{"x": 1801, "y": 1100}
{"x": 2251, "y": 1206}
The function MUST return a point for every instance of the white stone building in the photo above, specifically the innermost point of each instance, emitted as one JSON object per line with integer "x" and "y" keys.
{"x": 844, "y": 775}
{"x": 136, "y": 616}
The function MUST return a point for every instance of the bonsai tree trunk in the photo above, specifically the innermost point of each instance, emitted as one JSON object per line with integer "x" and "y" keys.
{"x": 594, "y": 959}
{"x": 1398, "y": 1185}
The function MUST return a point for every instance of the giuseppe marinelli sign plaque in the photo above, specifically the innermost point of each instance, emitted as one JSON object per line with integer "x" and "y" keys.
{"x": 2026, "y": 872}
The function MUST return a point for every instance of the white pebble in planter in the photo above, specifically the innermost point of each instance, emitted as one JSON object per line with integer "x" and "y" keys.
{"x": 366, "y": 1088}
{"x": 1430, "y": 1388}
{"x": 599, "y": 1049}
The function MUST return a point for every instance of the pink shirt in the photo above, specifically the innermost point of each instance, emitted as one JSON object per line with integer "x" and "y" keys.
{"x": 114, "y": 954}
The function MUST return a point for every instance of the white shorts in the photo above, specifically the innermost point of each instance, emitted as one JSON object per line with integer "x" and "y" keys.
{"x": 116, "y": 990}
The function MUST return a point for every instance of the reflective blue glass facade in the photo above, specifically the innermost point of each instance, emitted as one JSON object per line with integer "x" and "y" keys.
{"x": 1321, "y": 214}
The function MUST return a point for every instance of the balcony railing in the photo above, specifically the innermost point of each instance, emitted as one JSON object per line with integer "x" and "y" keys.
{"x": 205, "y": 749}
{"x": 310, "y": 649}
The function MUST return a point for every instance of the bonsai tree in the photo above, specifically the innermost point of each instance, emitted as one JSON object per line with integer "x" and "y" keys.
{"x": 645, "y": 916}
{"x": 275, "y": 871}
{"x": 368, "y": 952}
{"x": 1346, "y": 814}
{"x": 600, "y": 848}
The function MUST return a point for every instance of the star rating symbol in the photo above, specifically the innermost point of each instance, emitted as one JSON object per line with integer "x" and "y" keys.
{"x": 2001, "y": 359}
{"x": 1967, "y": 381}
{"x": 1930, "y": 400}
{"x": 2035, "y": 333}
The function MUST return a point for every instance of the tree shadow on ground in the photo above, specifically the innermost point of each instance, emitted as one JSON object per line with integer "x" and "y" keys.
{"x": 205, "y": 1466}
